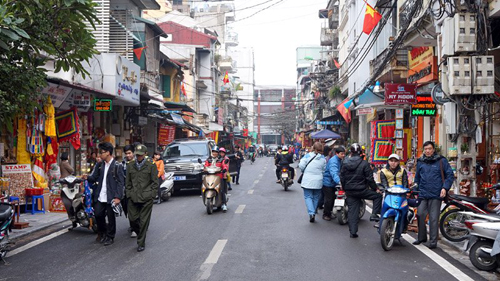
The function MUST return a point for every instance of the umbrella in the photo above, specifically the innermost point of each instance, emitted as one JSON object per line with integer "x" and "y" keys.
{"x": 325, "y": 134}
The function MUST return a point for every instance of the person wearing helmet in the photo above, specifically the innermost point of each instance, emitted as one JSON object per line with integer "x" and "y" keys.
{"x": 357, "y": 181}
{"x": 284, "y": 161}
{"x": 224, "y": 165}
{"x": 222, "y": 153}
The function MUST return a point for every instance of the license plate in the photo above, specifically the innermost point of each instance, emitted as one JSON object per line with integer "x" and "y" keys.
{"x": 284, "y": 175}
{"x": 179, "y": 178}
{"x": 339, "y": 202}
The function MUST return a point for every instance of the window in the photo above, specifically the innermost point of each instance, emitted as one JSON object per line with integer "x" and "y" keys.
{"x": 183, "y": 150}
{"x": 166, "y": 86}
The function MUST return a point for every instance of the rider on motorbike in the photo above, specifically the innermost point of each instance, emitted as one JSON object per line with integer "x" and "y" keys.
{"x": 223, "y": 164}
{"x": 284, "y": 160}
{"x": 394, "y": 174}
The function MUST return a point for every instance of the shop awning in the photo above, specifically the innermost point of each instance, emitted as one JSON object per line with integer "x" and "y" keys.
{"x": 325, "y": 134}
{"x": 380, "y": 105}
{"x": 95, "y": 92}
{"x": 181, "y": 106}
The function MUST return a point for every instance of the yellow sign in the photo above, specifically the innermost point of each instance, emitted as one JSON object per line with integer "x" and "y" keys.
{"x": 419, "y": 54}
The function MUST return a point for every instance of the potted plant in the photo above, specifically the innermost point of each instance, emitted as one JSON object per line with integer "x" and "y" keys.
{"x": 464, "y": 148}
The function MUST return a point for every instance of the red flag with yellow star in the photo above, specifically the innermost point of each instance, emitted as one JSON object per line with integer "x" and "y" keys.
{"x": 372, "y": 17}
{"x": 344, "y": 110}
{"x": 226, "y": 78}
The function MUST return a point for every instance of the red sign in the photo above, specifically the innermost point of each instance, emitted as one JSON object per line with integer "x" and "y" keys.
{"x": 245, "y": 132}
{"x": 400, "y": 94}
{"x": 166, "y": 134}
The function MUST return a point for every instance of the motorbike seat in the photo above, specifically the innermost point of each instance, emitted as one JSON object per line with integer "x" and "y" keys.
{"x": 474, "y": 200}
{"x": 5, "y": 210}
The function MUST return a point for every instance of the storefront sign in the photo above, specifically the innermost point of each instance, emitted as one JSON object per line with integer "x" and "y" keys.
{"x": 329, "y": 123}
{"x": 124, "y": 80}
{"x": 103, "y": 105}
{"x": 57, "y": 93}
{"x": 79, "y": 99}
{"x": 424, "y": 107}
{"x": 400, "y": 94}
{"x": 422, "y": 65}
{"x": 166, "y": 134}
{"x": 20, "y": 178}
{"x": 365, "y": 111}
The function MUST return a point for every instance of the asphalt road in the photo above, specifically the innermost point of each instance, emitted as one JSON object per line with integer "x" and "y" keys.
{"x": 265, "y": 235}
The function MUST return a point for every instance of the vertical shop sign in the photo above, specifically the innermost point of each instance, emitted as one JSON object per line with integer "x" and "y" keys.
{"x": 166, "y": 134}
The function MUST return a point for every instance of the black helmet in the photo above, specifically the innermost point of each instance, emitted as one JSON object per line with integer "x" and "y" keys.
{"x": 355, "y": 148}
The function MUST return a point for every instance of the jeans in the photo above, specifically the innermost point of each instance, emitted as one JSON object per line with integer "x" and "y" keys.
{"x": 433, "y": 208}
{"x": 353, "y": 199}
{"x": 311, "y": 197}
{"x": 103, "y": 210}
{"x": 329, "y": 198}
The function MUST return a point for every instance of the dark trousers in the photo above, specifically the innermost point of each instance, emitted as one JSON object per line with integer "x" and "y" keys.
{"x": 103, "y": 210}
{"x": 224, "y": 191}
{"x": 236, "y": 178}
{"x": 354, "y": 203}
{"x": 139, "y": 215}
{"x": 433, "y": 208}
{"x": 329, "y": 199}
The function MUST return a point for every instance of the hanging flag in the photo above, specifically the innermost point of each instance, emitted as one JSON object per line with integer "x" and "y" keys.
{"x": 138, "y": 52}
{"x": 372, "y": 17}
{"x": 39, "y": 172}
{"x": 337, "y": 64}
{"x": 344, "y": 110}
{"x": 183, "y": 89}
{"x": 226, "y": 78}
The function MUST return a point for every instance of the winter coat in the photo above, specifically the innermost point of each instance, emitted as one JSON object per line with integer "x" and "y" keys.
{"x": 285, "y": 159}
{"x": 114, "y": 181}
{"x": 142, "y": 184}
{"x": 428, "y": 176}
{"x": 66, "y": 169}
{"x": 356, "y": 174}
{"x": 222, "y": 163}
{"x": 312, "y": 175}
{"x": 331, "y": 177}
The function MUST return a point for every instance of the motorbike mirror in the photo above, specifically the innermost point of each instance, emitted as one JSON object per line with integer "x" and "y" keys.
{"x": 199, "y": 160}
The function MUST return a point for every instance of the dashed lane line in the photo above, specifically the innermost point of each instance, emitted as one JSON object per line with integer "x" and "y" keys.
{"x": 240, "y": 209}
{"x": 212, "y": 259}
{"x": 250, "y": 191}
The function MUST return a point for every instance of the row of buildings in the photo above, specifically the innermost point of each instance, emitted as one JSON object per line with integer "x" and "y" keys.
{"x": 428, "y": 71}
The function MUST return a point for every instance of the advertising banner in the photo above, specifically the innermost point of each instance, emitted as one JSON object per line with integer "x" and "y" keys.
{"x": 400, "y": 94}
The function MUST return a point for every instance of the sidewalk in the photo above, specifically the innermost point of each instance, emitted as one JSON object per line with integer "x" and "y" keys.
{"x": 37, "y": 222}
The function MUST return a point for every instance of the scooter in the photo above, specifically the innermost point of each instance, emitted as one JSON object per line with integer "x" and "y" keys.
{"x": 394, "y": 209}
{"x": 6, "y": 217}
{"x": 452, "y": 223}
{"x": 484, "y": 237}
{"x": 211, "y": 187}
{"x": 167, "y": 187}
{"x": 252, "y": 157}
{"x": 341, "y": 209}
{"x": 80, "y": 202}
{"x": 286, "y": 179}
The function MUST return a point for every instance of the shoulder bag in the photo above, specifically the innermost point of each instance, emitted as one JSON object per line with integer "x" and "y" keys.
{"x": 301, "y": 175}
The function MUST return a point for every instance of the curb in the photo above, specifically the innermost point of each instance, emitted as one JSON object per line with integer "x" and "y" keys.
{"x": 33, "y": 230}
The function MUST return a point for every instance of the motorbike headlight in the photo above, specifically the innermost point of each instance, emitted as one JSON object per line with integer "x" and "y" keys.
{"x": 198, "y": 166}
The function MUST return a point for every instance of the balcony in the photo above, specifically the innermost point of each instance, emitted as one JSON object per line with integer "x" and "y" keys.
{"x": 395, "y": 70}
{"x": 232, "y": 39}
{"x": 149, "y": 80}
{"x": 227, "y": 64}
{"x": 404, "y": 12}
{"x": 333, "y": 17}
{"x": 329, "y": 37}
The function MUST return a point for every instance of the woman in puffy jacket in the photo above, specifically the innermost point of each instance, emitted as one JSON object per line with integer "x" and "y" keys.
{"x": 312, "y": 166}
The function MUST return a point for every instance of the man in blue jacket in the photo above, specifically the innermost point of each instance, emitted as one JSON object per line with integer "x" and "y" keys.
{"x": 331, "y": 178}
{"x": 434, "y": 177}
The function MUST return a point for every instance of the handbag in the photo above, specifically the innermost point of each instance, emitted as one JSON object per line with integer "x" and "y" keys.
{"x": 300, "y": 178}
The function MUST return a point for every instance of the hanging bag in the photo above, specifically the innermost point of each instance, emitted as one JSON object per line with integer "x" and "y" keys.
{"x": 301, "y": 175}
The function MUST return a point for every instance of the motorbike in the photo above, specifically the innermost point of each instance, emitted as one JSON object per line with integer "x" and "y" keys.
{"x": 286, "y": 177}
{"x": 484, "y": 237}
{"x": 167, "y": 187}
{"x": 252, "y": 157}
{"x": 80, "y": 202}
{"x": 452, "y": 223}
{"x": 6, "y": 218}
{"x": 211, "y": 187}
{"x": 341, "y": 209}
{"x": 394, "y": 208}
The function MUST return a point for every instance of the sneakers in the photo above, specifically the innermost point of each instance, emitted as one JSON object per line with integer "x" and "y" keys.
{"x": 278, "y": 181}
{"x": 109, "y": 241}
{"x": 354, "y": 235}
{"x": 312, "y": 218}
{"x": 133, "y": 234}
{"x": 224, "y": 208}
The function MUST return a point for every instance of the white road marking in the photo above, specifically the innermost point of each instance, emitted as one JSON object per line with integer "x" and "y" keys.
{"x": 455, "y": 272}
{"x": 250, "y": 191}
{"x": 37, "y": 242}
{"x": 214, "y": 255}
{"x": 240, "y": 209}
{"x": 255, "y": 181}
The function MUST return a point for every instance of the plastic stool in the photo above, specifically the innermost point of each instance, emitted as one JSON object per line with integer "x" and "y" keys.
{"x": 34, "y": 204}
{"x": 13, "y": 198}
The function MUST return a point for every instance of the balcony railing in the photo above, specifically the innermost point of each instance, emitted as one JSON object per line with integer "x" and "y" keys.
{"x": 333, "y": 17}
{"x": 232, "y": 39}
{"x": 227, "y": 64}
{"x": 326, "y": 37}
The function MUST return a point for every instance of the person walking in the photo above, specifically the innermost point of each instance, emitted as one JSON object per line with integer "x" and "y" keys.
{"x": 331, "y": 178}
{"x": 129, "y": 157}
{"x": 141, "y": 187}
{"x": 238, "y": 159}
{"x": 66, "y": 168}
{"x": 312, "y": 166}
{"x": 434, "y": 178}
{"x": 160, "y": 166}
{"x": 357, "y": 181}
{"x": 107, "y": 193}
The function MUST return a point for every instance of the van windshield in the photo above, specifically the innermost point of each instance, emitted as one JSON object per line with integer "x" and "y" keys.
{"x": 185, "y": 150}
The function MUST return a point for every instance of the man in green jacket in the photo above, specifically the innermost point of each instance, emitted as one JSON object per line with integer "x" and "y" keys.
{"x": 141, "y": 188}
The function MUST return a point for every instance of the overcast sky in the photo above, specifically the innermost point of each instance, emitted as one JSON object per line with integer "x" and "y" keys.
{"x": 275, "y": 33}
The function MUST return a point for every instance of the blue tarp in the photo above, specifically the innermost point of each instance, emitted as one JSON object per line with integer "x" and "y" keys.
{"x": 325, "y": 134}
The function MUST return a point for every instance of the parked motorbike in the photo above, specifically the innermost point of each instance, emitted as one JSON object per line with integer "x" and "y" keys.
{"x": 81, "y": 203}
{"x": 286, "y": 177}
{"x": 452, "y": 223}
{"x": 394, "y": 209}
{"x": 6, "y": 218}
{"x": 212, "y": 187}
{"x": 484, "y": 237}
{"x": 167, "y": 187}
{"x": 341, "y": 209}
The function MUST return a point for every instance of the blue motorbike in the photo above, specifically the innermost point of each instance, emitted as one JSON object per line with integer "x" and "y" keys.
{"x": 395, "y": 214}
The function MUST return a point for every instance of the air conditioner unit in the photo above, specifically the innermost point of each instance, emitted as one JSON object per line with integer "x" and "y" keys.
{"x": 459, "y": 75}
{"x": 483, "y": 74}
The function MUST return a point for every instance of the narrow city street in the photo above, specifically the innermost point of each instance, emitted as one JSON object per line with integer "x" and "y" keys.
{"x": 265, "y": 235}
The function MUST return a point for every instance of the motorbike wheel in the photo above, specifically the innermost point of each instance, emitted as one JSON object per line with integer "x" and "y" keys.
{"x": 165, "y": 196}
{"x": 342, "y": 216}
{"x": 452, "y": 226}
{"x": 386, "y": 237}
{"x": 486, "y": 264}
{"x": 286, "y": 187}
{"x": 210, "y": 206}
{"x": 362, "y": 209}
